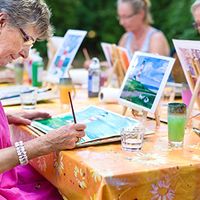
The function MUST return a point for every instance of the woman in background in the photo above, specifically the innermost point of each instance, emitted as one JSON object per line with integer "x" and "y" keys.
{"x": 135, "y": 17}
{"x": 195, "y": 9}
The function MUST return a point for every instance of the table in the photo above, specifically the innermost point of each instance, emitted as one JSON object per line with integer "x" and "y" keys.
{"x": 106, "y": 172}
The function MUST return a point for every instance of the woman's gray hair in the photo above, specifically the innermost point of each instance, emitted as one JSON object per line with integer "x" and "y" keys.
{"x": 195, "y": 5}
{"x": 137, "y": 6}
{"x": 23, "y": 13}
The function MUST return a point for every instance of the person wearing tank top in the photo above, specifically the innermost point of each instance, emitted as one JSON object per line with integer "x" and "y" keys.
{"x": 135, "y": 17}
{"x": 145, "y": 45}
{"x": 195, "y": 9}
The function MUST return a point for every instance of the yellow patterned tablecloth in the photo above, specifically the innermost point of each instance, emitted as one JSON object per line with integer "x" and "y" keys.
{"x": 106, "y": 172}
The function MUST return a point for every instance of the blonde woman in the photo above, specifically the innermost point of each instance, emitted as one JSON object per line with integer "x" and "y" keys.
{"x": 195, "y": 9}
{"x": 135, "y": 17}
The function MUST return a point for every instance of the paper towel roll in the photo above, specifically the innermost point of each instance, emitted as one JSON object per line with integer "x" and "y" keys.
{"x": 79, "y": 76}
{"x": 109, "y": 95}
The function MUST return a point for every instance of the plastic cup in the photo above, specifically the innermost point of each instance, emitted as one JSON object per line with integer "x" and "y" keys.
{"x": 65, "y": 86}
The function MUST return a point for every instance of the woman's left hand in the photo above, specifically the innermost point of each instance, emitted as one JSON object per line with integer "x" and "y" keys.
{"x": 24, "y": 118}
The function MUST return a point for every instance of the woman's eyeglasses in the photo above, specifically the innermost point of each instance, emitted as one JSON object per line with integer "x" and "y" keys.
{"x": 126, "y": 17}
{"x": 28, "y": 40}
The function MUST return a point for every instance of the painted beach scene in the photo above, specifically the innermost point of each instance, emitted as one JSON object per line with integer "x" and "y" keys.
{"x": 145, "y": 76}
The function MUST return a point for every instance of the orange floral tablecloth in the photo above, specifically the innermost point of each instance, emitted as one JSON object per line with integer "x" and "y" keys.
{"x": 106, "y": 172}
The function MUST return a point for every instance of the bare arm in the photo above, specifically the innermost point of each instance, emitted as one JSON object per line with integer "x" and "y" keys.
{"x": 122, "y": 40}
{"x": 159, "y": 44}
{"x": 60, "y": 139}
{"x": 9, "y": 157}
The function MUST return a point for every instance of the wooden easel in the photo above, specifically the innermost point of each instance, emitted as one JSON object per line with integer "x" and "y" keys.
{"x": 194, "y": 98}
{"x": 118, "y": 67}
{"x": 157, "y": 118}
{"x": 52, "y": 49}
{"x": 144, "y": 114}
{"x": 194, "y": 84}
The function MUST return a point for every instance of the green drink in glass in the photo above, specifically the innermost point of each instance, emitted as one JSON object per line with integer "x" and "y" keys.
{"x": 176, "y": 124}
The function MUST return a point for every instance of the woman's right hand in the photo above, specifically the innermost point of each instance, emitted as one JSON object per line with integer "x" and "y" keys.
{"x": 65, "y": 137}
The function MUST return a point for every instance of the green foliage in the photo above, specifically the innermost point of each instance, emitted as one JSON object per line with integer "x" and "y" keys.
{"x": 174, "y": 19}
{"x": 99, "y": 19}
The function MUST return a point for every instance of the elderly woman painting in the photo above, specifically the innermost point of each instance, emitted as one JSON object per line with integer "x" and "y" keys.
{"x": 22, "y": 22}
{"x": 135, "y": 17}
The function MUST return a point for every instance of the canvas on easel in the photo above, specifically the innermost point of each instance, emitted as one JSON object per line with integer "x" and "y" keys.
{"x": 65, "y": 54}
{"x": 144, "y": 82}
{"x": 189, "y": 55}
{"x": 107, "y": 50}
{"x": 53, "y": 45}
{"x": 118, "y": 60}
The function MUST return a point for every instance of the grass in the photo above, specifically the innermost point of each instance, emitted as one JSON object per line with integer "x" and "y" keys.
{"x": 137, "y": 93}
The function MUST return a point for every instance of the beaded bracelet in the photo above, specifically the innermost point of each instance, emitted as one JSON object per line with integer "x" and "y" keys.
{"x": 21, "y": 152}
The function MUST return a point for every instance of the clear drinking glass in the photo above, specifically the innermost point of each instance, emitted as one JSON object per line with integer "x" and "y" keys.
{"x": 176, "y": 124}
{"x": 29, "y": 98}
{"x": 132, "y": 137}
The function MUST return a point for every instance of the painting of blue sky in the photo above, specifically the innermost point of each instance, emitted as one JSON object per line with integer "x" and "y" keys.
{"x": 149, "y": 71}
{"x": 144, "y": 80}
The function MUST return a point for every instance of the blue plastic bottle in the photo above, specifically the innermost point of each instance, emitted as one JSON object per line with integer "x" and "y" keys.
{"x": 94, "y": 78}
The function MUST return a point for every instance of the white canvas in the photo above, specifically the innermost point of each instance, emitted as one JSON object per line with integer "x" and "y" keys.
{"x": 65, "y": 55}
{"x": 107, "y": 50}
{"x": 145, "y": 80}
{"x": 188, "y": 52}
